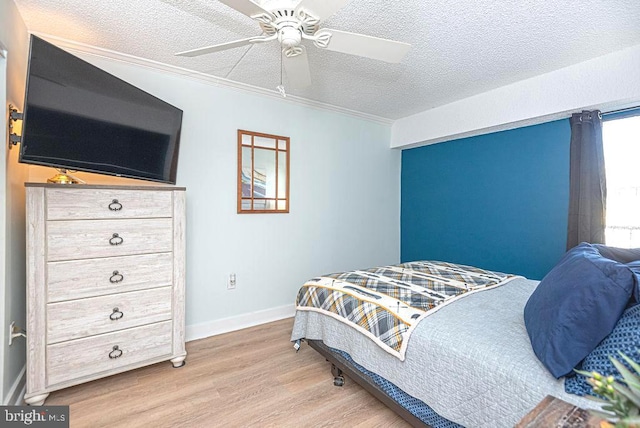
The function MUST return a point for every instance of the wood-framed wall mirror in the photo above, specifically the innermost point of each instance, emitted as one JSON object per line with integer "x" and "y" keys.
{"x": 263, "y": 173}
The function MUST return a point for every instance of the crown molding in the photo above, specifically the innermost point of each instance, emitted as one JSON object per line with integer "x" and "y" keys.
{"x": 77, "y": 47}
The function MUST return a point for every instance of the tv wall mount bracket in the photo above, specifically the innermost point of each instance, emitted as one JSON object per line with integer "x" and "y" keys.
{"x": 14, "y": 116}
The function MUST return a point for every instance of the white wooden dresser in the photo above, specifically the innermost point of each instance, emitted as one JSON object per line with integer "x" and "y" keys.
{"x": 105, "y": 282}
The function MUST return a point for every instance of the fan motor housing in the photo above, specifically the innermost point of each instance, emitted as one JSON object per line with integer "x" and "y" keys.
{"x": 287, "y": 17}
{"x": 289, "y": 36}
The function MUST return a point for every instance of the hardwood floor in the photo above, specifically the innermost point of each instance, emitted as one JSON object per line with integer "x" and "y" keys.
{"x": 247, "y": 378}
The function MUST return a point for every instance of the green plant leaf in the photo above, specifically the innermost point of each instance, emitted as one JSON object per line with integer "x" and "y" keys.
{"x": 628, "y": 377}
{"x": 628, "y": 423}
{"x": 632, "y": 420}
{"x": 603, "y": 415}
{"x": 583, "y": 373}
{"x": 635, "y": 388}
{"x": 633, "y": 382}
{"x": 632, "y": 363}
{"x": 627, "y": 393}
{"x": 631, "y": 379}
{"x": 596, "y": 399}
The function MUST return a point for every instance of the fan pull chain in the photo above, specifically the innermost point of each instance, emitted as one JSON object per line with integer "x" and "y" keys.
{"x": 280, "y": 87}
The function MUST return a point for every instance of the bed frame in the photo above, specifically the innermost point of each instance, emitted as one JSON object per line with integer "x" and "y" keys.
{"x": 341, "y": 366}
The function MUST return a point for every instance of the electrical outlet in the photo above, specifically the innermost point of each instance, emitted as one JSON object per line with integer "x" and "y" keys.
{"x": 231, "y": 281}
{"x": 15, "y": 332}
{"x": 12, "y": 328}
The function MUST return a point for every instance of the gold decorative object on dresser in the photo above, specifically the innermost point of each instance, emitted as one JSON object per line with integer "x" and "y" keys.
{"x": 105, "y": 282}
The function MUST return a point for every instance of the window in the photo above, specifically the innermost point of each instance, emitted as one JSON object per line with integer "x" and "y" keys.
{"x": 621, "y": 140}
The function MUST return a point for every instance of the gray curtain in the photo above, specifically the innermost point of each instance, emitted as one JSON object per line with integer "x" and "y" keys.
{"x": 587, "y": 182}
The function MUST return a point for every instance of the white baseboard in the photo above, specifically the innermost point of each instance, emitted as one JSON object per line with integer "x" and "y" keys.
{"x": 226, "y": 325}
{"x": 15, "y": 395}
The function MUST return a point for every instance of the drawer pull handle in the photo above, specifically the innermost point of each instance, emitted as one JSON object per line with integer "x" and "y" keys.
{"x": 115, "y": 205}
{"x": 115, "y": 353}
{"x": 116, "y": 277}
{"x": 116, "y": 314}
{"x": 116, "y": 239}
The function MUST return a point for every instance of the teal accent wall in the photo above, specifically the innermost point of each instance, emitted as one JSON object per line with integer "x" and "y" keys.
{"x": 498, "y": 201}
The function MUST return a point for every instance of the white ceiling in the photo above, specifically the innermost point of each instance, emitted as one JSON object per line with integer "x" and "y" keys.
{"x": 459, "y": 47}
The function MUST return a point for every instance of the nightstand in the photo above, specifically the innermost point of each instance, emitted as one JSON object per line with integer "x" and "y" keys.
{"x": 554, "y": 412}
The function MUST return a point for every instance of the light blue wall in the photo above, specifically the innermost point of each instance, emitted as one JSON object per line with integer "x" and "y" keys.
{"x": 498, "y": 201}
{"x": 344, "y": 195}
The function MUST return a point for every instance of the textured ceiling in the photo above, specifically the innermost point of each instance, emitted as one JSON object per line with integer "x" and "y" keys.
{"x": 459, "y": 47}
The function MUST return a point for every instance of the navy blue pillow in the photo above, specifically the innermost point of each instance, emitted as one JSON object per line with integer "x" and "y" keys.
{"x": 628, "y": 256}
{"x": 620, "y": 255}
{"x": 625, "y": 338}
{"x": 575, "y": 306}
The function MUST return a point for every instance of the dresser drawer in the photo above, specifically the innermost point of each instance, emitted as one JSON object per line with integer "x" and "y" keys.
{"x": 96, "y": 315}
{"x": 75, "y": 204}
{"x": 85, "y": 239}
{"x": 96, "y": 277}
{"x": 89, "y": 356}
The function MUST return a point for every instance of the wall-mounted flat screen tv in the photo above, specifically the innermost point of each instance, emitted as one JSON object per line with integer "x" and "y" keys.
{"x": 79, "y": 117}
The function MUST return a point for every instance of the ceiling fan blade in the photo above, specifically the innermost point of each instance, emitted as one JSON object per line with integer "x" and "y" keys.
{"x": 216, "y": 48}
{"x": 322, "y": 9}
{"x": 297, "y": 69}
{"x": 246, "y": 7}
{"x": 367, "y": 46}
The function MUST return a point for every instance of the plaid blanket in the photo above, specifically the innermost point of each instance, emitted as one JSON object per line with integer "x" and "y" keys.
{"x": 387, "y": 303}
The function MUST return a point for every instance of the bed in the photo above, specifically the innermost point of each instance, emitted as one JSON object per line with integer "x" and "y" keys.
{"x": 469, "y": 363}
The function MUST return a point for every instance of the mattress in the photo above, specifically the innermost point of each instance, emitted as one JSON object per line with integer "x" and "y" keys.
{"x": 471, "y": 362}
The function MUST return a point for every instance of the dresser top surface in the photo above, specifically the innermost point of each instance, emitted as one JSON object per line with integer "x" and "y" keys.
{"x": 104, "y": 186}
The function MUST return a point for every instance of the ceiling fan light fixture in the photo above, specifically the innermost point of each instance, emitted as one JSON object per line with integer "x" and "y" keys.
{"x": 289, "y": 37}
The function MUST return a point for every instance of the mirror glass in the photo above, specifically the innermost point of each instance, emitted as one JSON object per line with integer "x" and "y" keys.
{"x": 263, "y": 173}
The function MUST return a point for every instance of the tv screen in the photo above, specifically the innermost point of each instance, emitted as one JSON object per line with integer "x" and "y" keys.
{"x": 79, "y": 117}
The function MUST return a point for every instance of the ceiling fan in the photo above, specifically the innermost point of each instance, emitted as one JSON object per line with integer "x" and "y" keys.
{"x": 291, "y": 21}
